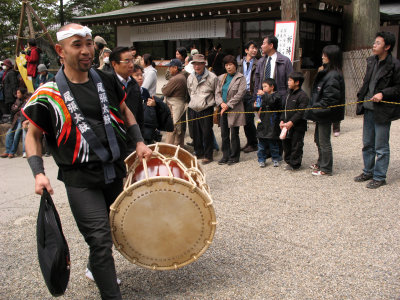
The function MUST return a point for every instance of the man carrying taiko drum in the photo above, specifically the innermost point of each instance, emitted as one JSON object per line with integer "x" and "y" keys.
{"x": 86, "y": 122}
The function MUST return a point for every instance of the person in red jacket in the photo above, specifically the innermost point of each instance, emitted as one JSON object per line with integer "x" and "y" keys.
{"x": 32, "y": 58}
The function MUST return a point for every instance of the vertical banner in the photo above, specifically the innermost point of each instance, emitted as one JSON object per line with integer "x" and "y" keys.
{"x": 285, "y": 32}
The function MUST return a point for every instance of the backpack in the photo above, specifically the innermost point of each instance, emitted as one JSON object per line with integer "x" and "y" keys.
{"x": 53, "y": 251}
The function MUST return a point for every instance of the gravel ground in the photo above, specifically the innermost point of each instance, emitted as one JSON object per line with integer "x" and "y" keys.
{"x": 281, "y": 234}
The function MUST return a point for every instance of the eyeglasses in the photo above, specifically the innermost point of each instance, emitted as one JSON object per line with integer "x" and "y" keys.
{"x": 127, "y": 61}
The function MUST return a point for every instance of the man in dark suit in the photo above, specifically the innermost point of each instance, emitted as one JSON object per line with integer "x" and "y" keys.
{"x": 247, "y": 66}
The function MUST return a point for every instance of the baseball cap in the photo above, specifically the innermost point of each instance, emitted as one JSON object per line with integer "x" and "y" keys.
{"x": 175, "y": 63}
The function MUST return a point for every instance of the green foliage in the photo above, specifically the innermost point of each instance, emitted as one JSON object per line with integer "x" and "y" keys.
{"x": 10, "y": 13}
{"x": 48, "y": 12}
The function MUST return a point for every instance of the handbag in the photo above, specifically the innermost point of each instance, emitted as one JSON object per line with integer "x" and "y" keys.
{"x": 53, "y": 251}
{"x": 217, "y": 116}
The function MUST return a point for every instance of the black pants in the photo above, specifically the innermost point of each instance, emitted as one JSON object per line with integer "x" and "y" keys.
{"x": 190, "y": 113}
{"x": 230, "y": 146}
{"x": 293, "y": 148}
{"x": 90, "y": 208}
{"x": 203, "y": 138}
{"x": 322, "y": 138}
{"x": 250, "y": 129}
{"x": 336, "y": 126}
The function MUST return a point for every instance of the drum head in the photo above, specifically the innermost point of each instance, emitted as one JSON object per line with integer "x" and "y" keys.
{"x": 162, "y": 223}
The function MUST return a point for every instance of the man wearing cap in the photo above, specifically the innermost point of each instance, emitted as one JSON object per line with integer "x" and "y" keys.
{"x": 86, "y": 121}
{"x": 43, "y": 76}
{"x": 175, "y": 92}
{"x": 201, "y": 87}
{"x": 100, "y": 45}
{"x": 10, "y": 85}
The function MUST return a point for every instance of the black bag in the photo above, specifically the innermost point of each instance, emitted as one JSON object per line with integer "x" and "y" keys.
{"x": 53, "y": 251}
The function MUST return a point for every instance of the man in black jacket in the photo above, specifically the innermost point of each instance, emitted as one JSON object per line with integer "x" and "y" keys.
{"x": 294, "y": 122}
{"x": 381, "y": 83}
{"x": 122, "y": 61}
{"x": 247, "y": 66}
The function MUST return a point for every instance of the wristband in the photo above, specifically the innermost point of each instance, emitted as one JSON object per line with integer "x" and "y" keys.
{"x": 135, "y": 134}
{"x": 36, "y": 164}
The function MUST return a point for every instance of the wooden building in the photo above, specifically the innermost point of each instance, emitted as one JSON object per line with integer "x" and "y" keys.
{"x": 159, "y": 27}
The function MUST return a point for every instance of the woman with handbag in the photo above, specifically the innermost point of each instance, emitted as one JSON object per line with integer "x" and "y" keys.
{"x": 229, "y": 93}
{"x": 328, "y": 90}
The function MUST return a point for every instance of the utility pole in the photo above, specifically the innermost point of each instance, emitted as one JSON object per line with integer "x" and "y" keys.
{"x": 290, "y": 12}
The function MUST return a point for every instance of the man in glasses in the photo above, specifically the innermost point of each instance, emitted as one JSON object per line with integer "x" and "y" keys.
{"x": 122, "y": 61}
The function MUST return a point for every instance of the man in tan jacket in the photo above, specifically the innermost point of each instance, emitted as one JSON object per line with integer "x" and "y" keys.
{"x": 201, "y": 87}
{"x": 175, "y": 92}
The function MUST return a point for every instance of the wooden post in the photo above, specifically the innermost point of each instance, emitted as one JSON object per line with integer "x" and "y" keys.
{"x": 21, "y": 22}
{"x": 29, "y": 7}
{"x": 361, "y": 23}
{"x": 290, "y": 12}
{"x": 28, "y": 15}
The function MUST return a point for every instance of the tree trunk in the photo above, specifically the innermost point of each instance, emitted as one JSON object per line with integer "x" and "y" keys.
{"x": 290, "y": 12}
{"x": 362, "y": 22}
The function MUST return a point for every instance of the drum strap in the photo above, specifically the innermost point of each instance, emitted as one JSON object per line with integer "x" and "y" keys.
{"x": 84, "y": 127}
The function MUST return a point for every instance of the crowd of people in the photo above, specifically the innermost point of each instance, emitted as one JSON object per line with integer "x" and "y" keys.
{"x": 93, "y": 117}
{"x": 202, "y": 91}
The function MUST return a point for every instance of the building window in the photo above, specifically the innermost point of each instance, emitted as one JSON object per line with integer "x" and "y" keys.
{"x": 257, "y": 30}
{"x": 326, "y": 33}
{"x": 307, "y": 30}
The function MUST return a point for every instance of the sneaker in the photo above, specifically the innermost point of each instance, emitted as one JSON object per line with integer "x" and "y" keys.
{"x": 320, "y": 173}
{"x": 374, "y": 184}
{"x": 314, "y": 167}
{"x": 362, "y": 177}
{"x": 276, "y": 163}
{"x": 336, "y": 134}
{"x": 89, "y": 276}
{"x": 262, "y": 164}
{"x": 24, "y": 155}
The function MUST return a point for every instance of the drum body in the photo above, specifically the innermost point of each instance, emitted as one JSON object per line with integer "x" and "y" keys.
{"x": 164, "y": 218}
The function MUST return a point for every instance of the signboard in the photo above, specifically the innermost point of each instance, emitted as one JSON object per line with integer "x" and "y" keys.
{"x": 171, "y": 31}
{"x": 285, "y": 32}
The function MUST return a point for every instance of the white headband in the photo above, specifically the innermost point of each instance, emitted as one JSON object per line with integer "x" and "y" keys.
{"x": 84, "y": 31}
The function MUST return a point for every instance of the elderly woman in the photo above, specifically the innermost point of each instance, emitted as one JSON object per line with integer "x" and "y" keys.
{"x": 229, "y": 94}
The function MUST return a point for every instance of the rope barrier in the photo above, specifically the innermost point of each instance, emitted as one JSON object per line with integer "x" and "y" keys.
{"x": 11, "y": 132}
{"x": 283, "y": 110}
{"x": 263, "y": 111}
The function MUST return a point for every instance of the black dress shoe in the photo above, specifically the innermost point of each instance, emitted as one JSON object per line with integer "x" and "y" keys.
{"x": 374, "y": 184}
{"x": 244, "y": 147}
{"x": 232, "y": 162}
{"x": 222, "y": 161}
{"x": 249, "y": 149}
{"x": 206, "y": 161}
{"x": 362, "y": 177}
